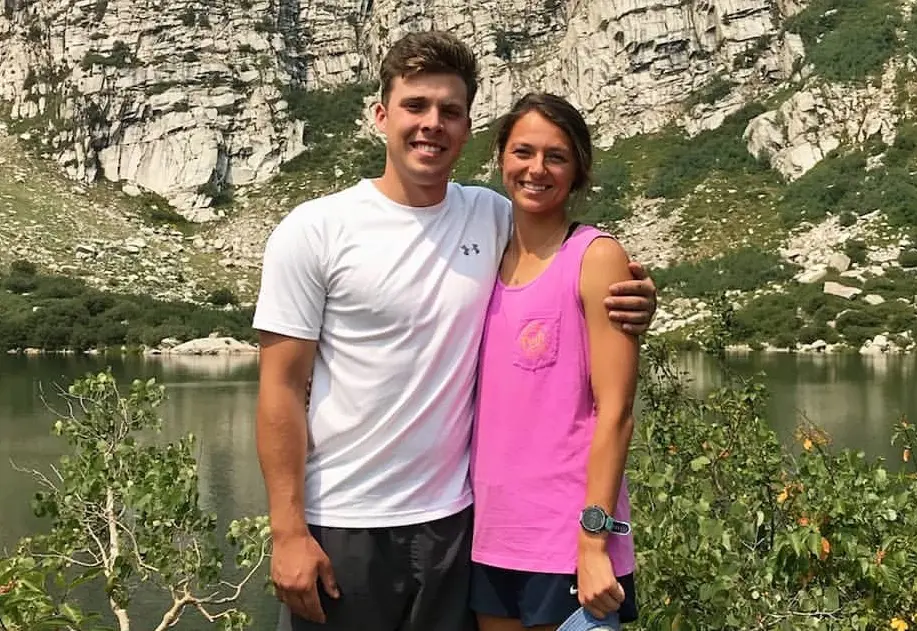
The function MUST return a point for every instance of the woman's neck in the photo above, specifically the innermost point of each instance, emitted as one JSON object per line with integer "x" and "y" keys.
{"x": 538, "y": 234}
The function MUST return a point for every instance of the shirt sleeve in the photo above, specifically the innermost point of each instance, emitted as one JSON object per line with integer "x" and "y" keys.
{"x": 291, "y": 300}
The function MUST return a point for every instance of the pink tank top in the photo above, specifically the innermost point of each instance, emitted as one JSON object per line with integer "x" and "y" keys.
{"x": 534, "y": 421}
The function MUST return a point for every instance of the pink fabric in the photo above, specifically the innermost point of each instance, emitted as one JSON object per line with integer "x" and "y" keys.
{"x": 534, "y": 421}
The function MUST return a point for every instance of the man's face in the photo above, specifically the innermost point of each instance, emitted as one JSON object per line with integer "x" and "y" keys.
{"x": 426, "y": 124}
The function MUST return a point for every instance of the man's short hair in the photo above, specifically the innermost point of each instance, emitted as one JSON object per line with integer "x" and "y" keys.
{"x": 433, "y": 52}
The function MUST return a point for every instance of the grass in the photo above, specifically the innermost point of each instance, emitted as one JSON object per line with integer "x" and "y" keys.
{"x": 731, "y": 211}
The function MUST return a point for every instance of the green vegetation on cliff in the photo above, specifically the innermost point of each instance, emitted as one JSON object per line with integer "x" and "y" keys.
{"x": 848, "y": 40}
{"x": 60, "y": 313}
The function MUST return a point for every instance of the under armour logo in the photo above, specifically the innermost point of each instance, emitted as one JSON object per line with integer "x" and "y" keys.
{"x": 468, "y": 249}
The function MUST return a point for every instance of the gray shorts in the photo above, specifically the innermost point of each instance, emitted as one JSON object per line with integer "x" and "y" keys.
{"x": 404, "y": 578}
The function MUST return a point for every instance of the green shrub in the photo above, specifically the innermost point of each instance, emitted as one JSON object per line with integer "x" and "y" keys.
{"x": 60, "y": 313}
{"x": 859, "y": 324}
{"x": 222, "y": 296}
{"x": 743, "y": 269}
{"x": 121, "y": 56}
{"x": 737, "y": 532}
{"x": 478, "y": 152}
{"x": 329, "y": 117}
{"x": 823, "y": 188}
{"x": 612, "y": 176}
{"x": 689, "y": 161}
{"x": 717, "y": 88}
{"x": 769, "y": 318}
{"x": 848, "y": 40}
{"x": 908, "y": 258}
{"x": 20, "y": 283}
{"x": 814, "y": 332}
{"x": 847, "y": 219}
{"x": 856, "y": 250}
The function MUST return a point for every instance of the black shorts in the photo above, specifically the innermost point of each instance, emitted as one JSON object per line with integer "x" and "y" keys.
{"x": 535, "y": 598}
{"x": 404, "y": 578}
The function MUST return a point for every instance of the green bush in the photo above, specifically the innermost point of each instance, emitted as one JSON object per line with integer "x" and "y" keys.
{"x": 737, "y": 532}
{"x": 25, "y": 268}
{"x": 814, "y": 332}
{"x": 856, "y": 250}
{"x": 478, "y": 152}
{"x": 769, "y": 318}
{"x": 744, "y": 269}
{"x": 689, "y": 161}
{"x": 847, "y": 219}
{"x": 823, "y": 188}
{"x": 222, "y": 296}
{"x": 20, "y": 283}
{"x": 717, "y": 88}
{"x": 612, "y": 177}
{"x": 329, "y": 117}
{"x": 802, "y": 313}
{"x": 848, "y": 40}
{"x": 63, "y": 313}
{"x": 908, "y": 258}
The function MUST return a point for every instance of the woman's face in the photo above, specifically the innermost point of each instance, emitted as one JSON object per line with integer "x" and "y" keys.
{"x": 538, "y": 165}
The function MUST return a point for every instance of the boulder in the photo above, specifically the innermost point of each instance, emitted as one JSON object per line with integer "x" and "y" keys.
{"x": 212, "y": 346}
{"x": 843, "y": 291}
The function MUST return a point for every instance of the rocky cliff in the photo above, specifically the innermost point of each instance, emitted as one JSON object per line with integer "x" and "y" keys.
{"x": 186, "y": 98}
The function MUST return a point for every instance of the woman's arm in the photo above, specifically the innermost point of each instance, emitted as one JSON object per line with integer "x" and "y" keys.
{"x": 614, "y": 357}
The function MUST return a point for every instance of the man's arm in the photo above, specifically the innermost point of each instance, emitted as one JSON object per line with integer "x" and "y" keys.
{"x": 614, "y": 357}
{"x": 282, "y": 441}
{"x": 631, "y": 301}
{"x": 285, "y": 366}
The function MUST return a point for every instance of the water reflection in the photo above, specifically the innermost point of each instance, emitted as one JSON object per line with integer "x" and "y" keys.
{"x": 855, "y": 398}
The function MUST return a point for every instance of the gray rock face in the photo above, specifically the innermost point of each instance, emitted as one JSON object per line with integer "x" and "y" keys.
{"x": 818, "y": 119}
{"x": 182, "y": 98}
{"x": 176, "y": 98}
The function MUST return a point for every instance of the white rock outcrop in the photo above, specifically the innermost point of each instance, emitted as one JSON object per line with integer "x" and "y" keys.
{"x": 211, "y": 346}
{"x": 183, "y": 98}
{"x": 818, "y": 119}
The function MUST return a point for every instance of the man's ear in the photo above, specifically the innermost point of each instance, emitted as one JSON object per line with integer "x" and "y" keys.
{"x": 381, "y": 116}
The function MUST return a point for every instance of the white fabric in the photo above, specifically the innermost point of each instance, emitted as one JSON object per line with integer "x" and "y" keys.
{"x": 396, "y": 298}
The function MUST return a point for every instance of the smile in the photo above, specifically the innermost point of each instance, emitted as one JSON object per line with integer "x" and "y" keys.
{"x": 427, "y": 147}
{"x": 535, "y": 188}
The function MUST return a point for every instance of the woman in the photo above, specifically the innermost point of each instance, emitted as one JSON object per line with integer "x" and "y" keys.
{"x": 555, "y": 395}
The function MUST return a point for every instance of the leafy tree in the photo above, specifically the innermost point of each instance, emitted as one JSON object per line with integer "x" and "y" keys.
{"x": 124, "y": 514}
{"x": 736, "y": 532}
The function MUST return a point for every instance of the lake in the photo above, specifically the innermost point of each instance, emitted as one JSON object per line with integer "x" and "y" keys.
{"x": 855, "y": 398}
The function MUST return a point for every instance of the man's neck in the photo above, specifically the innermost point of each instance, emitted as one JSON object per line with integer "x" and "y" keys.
{"x": 396, "y": 189}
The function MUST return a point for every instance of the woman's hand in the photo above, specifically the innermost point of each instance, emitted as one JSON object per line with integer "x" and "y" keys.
{"x": 599, "y": 590}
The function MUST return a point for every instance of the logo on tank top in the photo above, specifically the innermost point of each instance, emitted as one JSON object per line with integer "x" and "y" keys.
{"x": 470, "y": 249}
{"x": 535, "y": 338}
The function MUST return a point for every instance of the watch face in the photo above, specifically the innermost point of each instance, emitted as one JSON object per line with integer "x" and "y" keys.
{"x": 593, "y": 519}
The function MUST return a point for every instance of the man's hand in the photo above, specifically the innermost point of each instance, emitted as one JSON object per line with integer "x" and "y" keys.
{"x": 599, "y": 591}
{"x": 297, "y": 564}
{"x": 633, "y": 302}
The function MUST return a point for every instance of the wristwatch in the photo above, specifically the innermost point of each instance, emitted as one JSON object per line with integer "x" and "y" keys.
{"x": 595, "y": 520}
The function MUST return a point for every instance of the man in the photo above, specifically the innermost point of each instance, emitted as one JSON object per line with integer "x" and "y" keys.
{"x": 378, "y": 294}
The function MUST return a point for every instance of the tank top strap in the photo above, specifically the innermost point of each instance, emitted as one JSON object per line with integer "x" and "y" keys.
{"x": 573, "y": 251}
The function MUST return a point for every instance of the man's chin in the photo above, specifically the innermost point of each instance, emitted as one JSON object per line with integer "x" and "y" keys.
{"x": 430, "y": 175}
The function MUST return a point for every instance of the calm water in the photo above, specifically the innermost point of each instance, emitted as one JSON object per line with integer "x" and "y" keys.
{"x": 855, "y": 398}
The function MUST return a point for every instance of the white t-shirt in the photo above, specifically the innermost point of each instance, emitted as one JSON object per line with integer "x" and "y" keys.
{"x": 396, "y": 298}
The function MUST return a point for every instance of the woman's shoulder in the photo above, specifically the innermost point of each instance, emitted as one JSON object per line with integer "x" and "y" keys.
{"x": 604, "y": 251}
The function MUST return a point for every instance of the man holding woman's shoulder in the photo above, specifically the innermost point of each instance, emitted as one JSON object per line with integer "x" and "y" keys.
{"x": 379, "y": 295}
